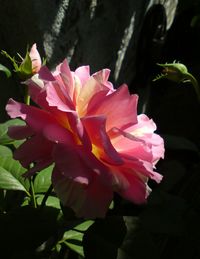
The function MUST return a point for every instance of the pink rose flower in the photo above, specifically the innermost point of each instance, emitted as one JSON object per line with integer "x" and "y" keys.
{"x": 93, "y": 135}
{"x": 35, "y": 58}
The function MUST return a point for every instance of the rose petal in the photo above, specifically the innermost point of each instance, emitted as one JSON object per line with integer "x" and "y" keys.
{"x": 137, "y": 191}
{"x": 83, "y": 73}
{"x": 119, "y": 108}
{"x": 140, "y": 167}
{"x": 35, "y": 117}
{"x": 45, "y": 74}
{"x": 37, "y": 91}
{"x": 72, "y": 166}
{"x": 103, "y": 149}
{"x": 65, "y": 78}
{"x": 58, "y": 97}
{"x": 35, "y": 58}
{"x": 127, "y": 144}
{"x": 80, "y": 165}
{"x": 86, "y": 93}
{"x": 58, "y": 134}
{"x": 88, "y": 201}
{"x": 20, "y": 132}
{"x": 102, "y": 78}
{"x": 35, "y": 149}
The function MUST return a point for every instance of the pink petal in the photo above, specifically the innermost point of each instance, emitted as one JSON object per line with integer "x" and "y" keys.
{"x": 144, "y": 131}
{"x": 37, "y": 91}
{"x": 69, "y": 162}
{"x": 20, "y": 132}
{"x": 64, "y": 76}
{"x": 78, "y": 129}
{"x": 83, "y": 73}
{"x": 35, "y": 149}
{"x": 58, "y": 97}
{"x": 143, "y": 127}
{"x": 140, "y": 167}
{"x": 88, "y": 201}
{"x": 95, "y": 127}
{"x": 58, "y": 134}
{"x": 102, "y": 78}
{"x": 158, "y": 149}
{"x": 119, "y": 108}
{"x": 13, "y": 109}
{"x": 35, "y": 58}
{"x": 36, "y": 118}
{"x": 90, "y": 88}
{"x": 137, "y": 190}
{"x": 45, "y": 74}
{"x": 127, "y": 144}
{"x": 80, "y": 165}
{"x": 96, "y": 99}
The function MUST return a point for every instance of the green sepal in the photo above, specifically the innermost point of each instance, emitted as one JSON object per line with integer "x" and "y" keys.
{"x": 175, "y": 72}
{"x": 23, "y": 67}
{"x": 12, "y": 59}
{"x": 24, "y": 71}
{"x": 5, "y": 70}
{"x": 178, "y": 73}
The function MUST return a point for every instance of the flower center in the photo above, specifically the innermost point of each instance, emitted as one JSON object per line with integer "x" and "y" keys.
{"x": 96, "y": 151}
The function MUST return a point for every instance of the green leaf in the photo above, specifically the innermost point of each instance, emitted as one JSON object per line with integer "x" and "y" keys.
{"x": 43, "y": 180}
{"x": 84, "y": 226}
{"x": 9, "y": 182}
{"x": 73, "y": 239}
{"x": 5, "y": 70}
{"x": 51, "y": 201}
{"x": 15, "y": 171}
{"x": 26, "y": 201}
{"x": 4, "y": 138}
{"x": 5, "y": 151}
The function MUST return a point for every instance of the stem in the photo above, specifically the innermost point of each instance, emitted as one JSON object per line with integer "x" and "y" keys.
{"x": 195, "y": 84}
{"x": 26, "y": 96}
{"x": 46, "y": 196}
{"x": 33, "y": 200}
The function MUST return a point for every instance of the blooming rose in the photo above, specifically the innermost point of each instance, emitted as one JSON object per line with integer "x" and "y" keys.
{"x": 92, "y": 133}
